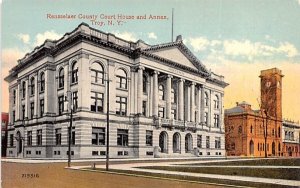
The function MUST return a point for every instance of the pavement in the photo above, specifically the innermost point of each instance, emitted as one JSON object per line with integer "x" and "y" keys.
{"x": 133, "y": 167}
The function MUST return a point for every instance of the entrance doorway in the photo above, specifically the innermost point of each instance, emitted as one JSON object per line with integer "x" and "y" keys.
{"x": 176, "y": 143}
{"x": 163, "y": 142}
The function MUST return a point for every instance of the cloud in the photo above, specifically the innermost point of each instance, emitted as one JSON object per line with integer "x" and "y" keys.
{"x": 41, "y": 37}
{"x": 199, "y": 43}
{"x": 289, "y": 49}
{"x": 125, "y": 35}
{"x": 25, "y": 38}
{"x": 243, "y": 49}
{"x": 152, "y": 35}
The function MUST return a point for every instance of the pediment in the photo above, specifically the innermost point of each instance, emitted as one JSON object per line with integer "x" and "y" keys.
{"x": 174, "y": 54}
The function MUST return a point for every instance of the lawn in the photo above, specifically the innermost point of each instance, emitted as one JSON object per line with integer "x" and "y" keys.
{"x": 262, "y": 162}
{"x": 277, "y": 173}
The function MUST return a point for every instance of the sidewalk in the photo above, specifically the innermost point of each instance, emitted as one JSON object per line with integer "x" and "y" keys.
{"x": 132, "y": 167}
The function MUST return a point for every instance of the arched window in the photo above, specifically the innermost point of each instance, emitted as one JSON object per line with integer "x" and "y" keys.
{"x": 279, "y": 132}
{"x": 23, "y": 89}
{"x": 42, "y": 80}
{"x": 32, "y": 86}
{"x": 173, "y": 96}
{"x": 279, "y": 147}
{"x": 74, "y": 73}
{"x": 216, "y": 102}
{"x": 97, "y": 72}
{"x": 121, "y": 79}
{"x": 61, "y": 79}
{"x": 161, "y": 93}
{"x": 206, "y": 99}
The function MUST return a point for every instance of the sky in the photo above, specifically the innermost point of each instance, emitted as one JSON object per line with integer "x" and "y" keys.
{"x": 233, "y": 38}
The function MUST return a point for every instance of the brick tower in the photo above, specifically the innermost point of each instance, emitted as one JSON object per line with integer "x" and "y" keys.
{"x": 271, "y": 92}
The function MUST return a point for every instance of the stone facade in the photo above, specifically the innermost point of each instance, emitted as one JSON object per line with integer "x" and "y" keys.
{"x": 291, "y": 138}
{"x": 161, "y": 100}
{"x": 245, "y": 128}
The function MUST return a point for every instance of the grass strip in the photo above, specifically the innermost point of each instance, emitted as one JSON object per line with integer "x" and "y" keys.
{"x": 199, "y": 180}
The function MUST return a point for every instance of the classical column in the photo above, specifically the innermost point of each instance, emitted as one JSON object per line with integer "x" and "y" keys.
{"x": 181, "y": 100}
{"x": 140, "y": 90}
{"x": 26, "y": 98}
{"x": 155, "y": 93}
{"x": 221, "y": 111}
{"x": 168, "y": 96}
{"x": 198, "y": 104}
{"x": 187, "y": 103}
{"x": 18, "y": 101}
{"x": 202, "y": 104}
{"x": 67, "y": 80}
{"x": 192, "y": 105}
{"x": 36, "y": 96}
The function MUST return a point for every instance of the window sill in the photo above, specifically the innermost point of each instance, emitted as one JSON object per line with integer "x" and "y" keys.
{"x": 74, "y": 83}
{"x": 60, "y": 88}
{"x": 98, "y": 84}
{"x": 122, "y": 89}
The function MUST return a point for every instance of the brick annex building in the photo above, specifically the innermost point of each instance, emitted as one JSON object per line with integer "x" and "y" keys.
{"x": 4, "y": 124}
{"x": 245, "y": 127}
{"x": 162, "y": 100}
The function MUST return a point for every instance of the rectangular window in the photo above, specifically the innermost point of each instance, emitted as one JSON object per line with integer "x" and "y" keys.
{"x": 14, "y": 97}
{"x": 61, "y": 80}
{"x": 199, "y": 141}
{"x": 144, "y": 108}
{"x": 206, "y": 118}
{"x": 207, "y": 142}
{"x": 121, "y": 82}
{"x": 149, "y": 138}
{"x": 58, "y": 136}
{"x": 98, "y": 136}
{"x": 60, "y": 105}
{"x": 11, "y": 140}
{"x": 122, "y": 137}
{"x": 216, "y": 120}
{"x": 29, "y": 138}
{"x": 39, "y": 137}
{"x": 31, "y": 110}
{"x": 72, "y": 135}
{"x": 161, "y": 112}
{"x": 13, "y": 116}
{"x": 97, "y": 102}
{"x": 217, "y": 142}
{"x": 121, "y": 106}
{"x": 173, "y": 114}
{"x": 23, "y": 111}
{"x": 41, "y": 107}
{"x": 75, "y": 100}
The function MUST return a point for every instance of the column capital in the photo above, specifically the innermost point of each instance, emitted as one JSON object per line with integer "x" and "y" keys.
{"x": 169, "y": 76}
{"x": 193, "y": 83}
{"x": 141, "y": 67}
{"x": 181, "y": 80}
{"x": 156, "y": 72}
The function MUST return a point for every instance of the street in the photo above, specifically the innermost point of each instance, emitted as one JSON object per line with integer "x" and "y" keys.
{"x": 55, "y": 175}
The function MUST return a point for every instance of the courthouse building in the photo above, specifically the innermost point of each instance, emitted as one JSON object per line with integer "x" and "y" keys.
{"x": 162, "y": 100}
{"x": 246, "y": 128}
